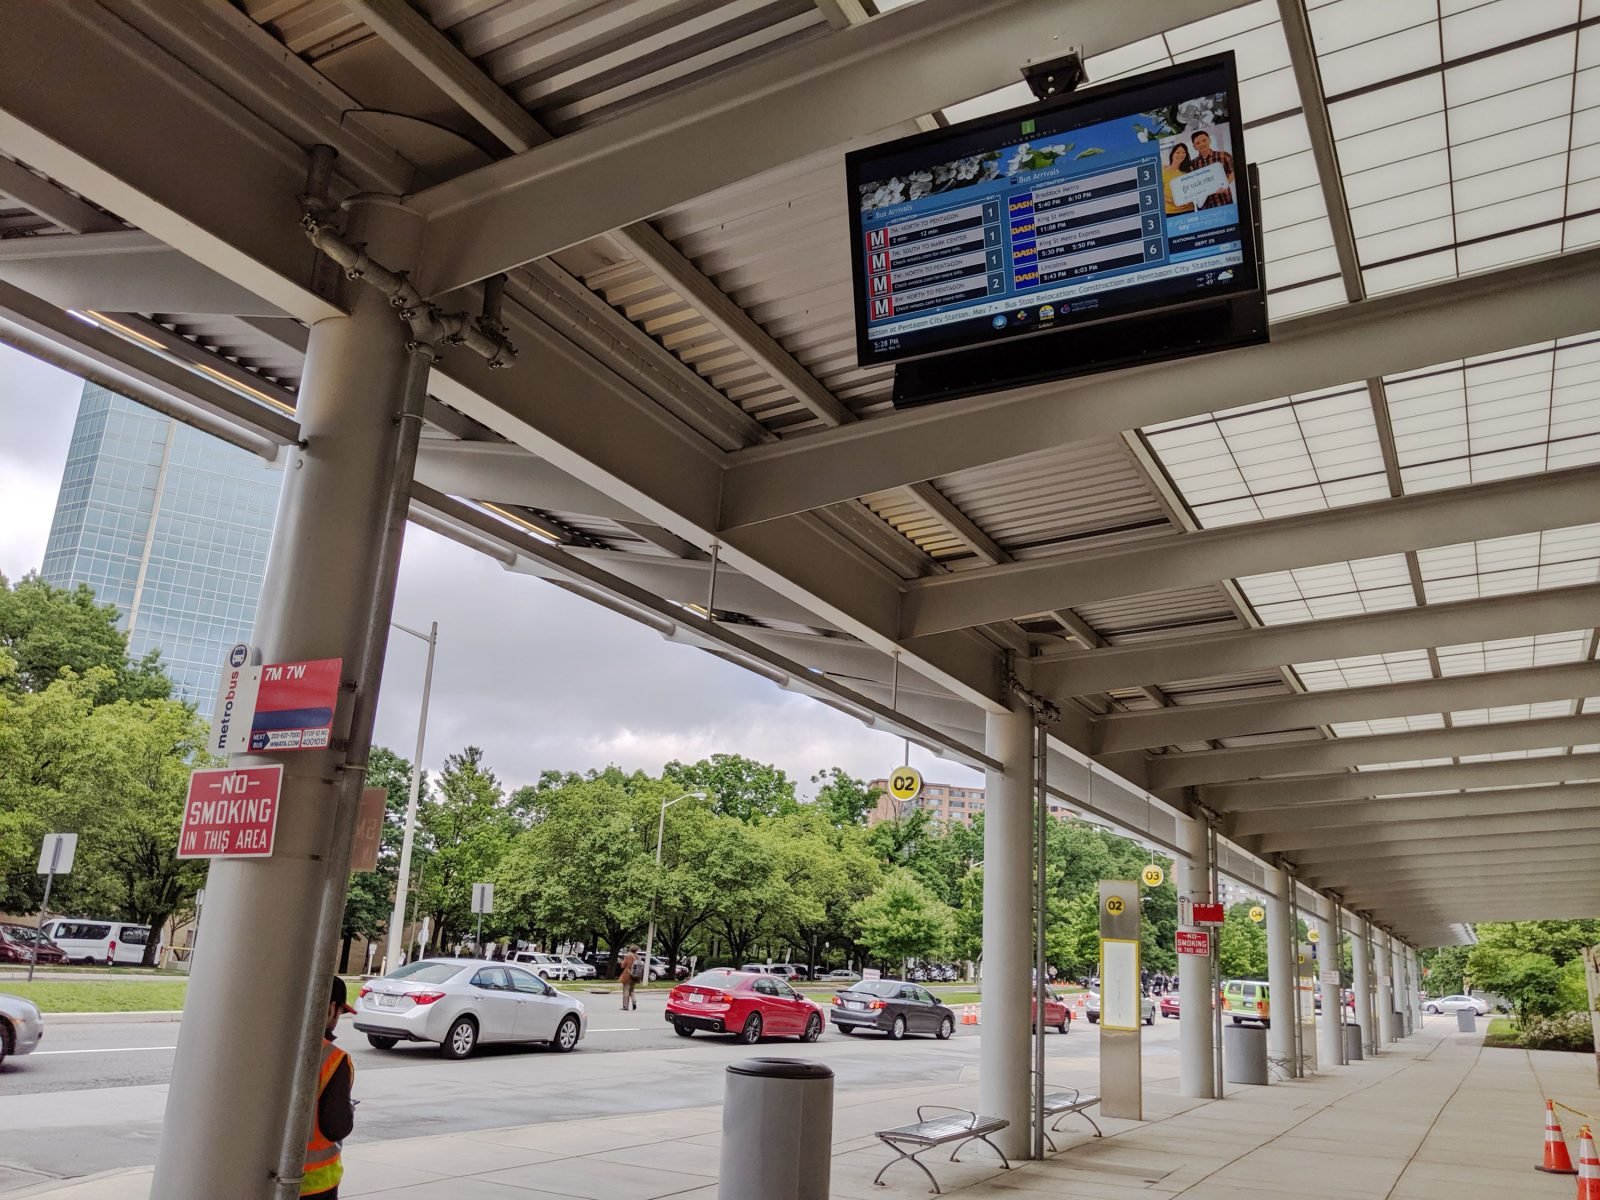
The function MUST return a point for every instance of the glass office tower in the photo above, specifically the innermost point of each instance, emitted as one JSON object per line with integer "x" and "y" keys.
{"x": 170, "y": 525}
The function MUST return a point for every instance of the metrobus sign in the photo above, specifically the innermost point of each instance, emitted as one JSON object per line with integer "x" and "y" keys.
{"x": 231, "y": 813}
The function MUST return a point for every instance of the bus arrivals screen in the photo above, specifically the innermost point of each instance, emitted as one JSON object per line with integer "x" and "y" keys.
{"x": 1116, "y": 200}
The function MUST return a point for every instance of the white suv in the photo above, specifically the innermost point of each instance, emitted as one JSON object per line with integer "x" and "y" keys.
{"x": 545, "y": 966}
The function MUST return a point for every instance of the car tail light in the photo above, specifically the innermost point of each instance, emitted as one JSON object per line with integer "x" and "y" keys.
{"x": 720, "y": 998}
{"x": 362, "y": 992}
{"x": 426, "y": 997}
{"x": 878, "y": 1004}
{"x": 838, "y": 1000}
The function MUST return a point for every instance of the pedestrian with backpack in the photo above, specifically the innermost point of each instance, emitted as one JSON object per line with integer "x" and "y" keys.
{"x": 631, "y": 973}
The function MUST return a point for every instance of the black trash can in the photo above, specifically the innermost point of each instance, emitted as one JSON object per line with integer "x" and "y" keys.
{"x": 777, "y": 1130}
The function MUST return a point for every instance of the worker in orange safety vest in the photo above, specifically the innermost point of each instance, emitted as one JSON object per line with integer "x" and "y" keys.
{"x": 335, "y": 1113}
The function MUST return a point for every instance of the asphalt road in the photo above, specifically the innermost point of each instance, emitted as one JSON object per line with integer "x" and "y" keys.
{"x": 92, "y": 1097}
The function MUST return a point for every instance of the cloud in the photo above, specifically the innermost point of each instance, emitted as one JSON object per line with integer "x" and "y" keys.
{"x": 38, "y": 404}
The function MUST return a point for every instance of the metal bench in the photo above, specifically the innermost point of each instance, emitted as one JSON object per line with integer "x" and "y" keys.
{"x": 1064, "y": 1104}
{"x": 957, "y": 1128}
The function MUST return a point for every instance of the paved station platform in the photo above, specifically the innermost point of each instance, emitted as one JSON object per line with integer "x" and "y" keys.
{"x": 1435, "y": 1117}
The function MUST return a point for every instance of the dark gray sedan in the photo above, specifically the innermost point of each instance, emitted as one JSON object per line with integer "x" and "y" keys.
{"x": 893, "y": 1007}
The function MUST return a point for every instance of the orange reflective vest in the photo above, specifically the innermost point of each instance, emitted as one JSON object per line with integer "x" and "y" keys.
{"x": 324, "y": 1168}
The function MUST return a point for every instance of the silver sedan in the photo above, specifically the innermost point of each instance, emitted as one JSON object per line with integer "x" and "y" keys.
{"x": 21, "y": 1026}
{"x": 458, "y": 1003}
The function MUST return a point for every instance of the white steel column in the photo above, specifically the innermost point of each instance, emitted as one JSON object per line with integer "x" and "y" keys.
{"x": 1330, "y": 1048}
{"x": 1361, "y": 980}
{"x": 238, "y": 1107}
{"x": 1400, "y": 975}
{"x": 1383, "y": 964}
{"x": 1003, "y": 1048}
{"x": 1196, "y": 1049}
{"x": 1280, "y": 968}
{"x": 1414, "y": 965}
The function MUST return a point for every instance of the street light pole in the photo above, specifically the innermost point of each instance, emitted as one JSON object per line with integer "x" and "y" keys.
{"x": 398, "y": 917}
{"x": 661, "y": 833}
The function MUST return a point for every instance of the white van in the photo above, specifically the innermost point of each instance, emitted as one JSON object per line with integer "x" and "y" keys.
{"x": 100, "y": 943}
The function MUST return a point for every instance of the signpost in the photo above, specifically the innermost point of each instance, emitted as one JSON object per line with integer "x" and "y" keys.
{"x": 55, "y": 858}
{"x": 1121, "y": 1001}
{"x": 369, "y": 830}
{"x": 905, "y": 784}
{"x": 231, "y": 813}
{"x": 1204, "y": 914}
{"x": 482, "y": 902}
{"x": 1194, "y": 941}
{"x": 1153, "y": 876}
{"x": 295, "y": 705}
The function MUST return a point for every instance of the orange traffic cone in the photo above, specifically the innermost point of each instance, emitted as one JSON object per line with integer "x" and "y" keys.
{"x": 1556, "y": 1159}
{"x": 1588, "y": 1167}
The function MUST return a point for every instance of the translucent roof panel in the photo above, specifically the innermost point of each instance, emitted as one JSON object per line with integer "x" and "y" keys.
{"x": 1404, "y": 766}
{"x": 1299, "y": 454}
{"x": 1365, "y": 670}
{"x": 1501, "y": 566}
{"x": 1516, "y": 413}
{"x": 1511, "y": 755}
{"x": 1466, "y": 131}
{"x": 1510, "y": 654}
{"x": 1334, "y": 590}
{"x": 1512, "y": 712}
{"x": 1388, "y": 725}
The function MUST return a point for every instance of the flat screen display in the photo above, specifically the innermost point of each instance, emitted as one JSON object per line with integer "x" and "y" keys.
{"x": 1119, "y": 199}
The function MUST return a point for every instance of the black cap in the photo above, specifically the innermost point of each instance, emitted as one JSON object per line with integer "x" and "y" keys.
{"x": 340, "y": 996}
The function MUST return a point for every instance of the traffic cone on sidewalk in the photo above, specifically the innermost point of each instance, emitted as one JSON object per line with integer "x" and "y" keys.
{"x": 1556, "y": 1159}
{"x": 969, "y": 1014}
{"x": 1588, "y": 1167}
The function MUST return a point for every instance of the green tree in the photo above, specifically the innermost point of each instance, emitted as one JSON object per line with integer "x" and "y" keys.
{"x": 902, "y": 920}
{"x": 1242, "y": 945}
{"x": 738, "y": 786}
{"x": 845, "y": 799}
{"x": 1559, "y": 941}
{"x": 1445, "y": 968}
{"x": 466, "y": 827}
{"x": 1530, "y": 982}
{"x": 46, "y": 631}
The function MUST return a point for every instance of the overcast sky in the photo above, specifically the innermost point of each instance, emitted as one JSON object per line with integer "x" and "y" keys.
{"x": 537, "y": 677}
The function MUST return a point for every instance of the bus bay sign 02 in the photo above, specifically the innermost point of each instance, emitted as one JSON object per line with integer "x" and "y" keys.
{"x": 233, "y": 811}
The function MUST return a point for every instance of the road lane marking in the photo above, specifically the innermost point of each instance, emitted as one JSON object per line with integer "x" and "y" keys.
{"x": 111, "y": 1050}
{"x": 615, "y": 1028}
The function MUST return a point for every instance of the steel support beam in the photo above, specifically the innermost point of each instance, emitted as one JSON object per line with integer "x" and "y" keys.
{"x": 1378, "y": 815}
{"x": 1575, "y": 879}
{"x": 822, "y": 94}
{"x": 502, "y": 473}
{"x": 1500, "y": 509}
{"x": 1314, "y": 789}
{"x": 1338, "y": 876}
{"x": 1085, "y": 672}
{"x": 1555, "y": 819}
{"x": 1498, "y": 310}
{"x": 1198, "y": 723}
{"x": 1444, "y": 844}
{"x": 56, "y": 205}
{"x": 1169, "y": 771}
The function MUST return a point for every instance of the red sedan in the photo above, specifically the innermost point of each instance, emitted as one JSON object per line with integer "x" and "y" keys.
{"x": 1169, "y": 1005}
{"x": 1057, "y": 1012}
{"x": 748, "y": 1006}
{"x": 19, "y": 944}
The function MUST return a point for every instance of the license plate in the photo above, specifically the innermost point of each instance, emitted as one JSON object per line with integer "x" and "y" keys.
{"x": 694, "y": 997}
{"x": 855, "y": 1004}
{"x": 388, "y": 1001}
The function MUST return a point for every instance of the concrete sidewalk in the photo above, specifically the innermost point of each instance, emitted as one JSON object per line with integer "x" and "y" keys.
{"x": 1436, "y": 1117}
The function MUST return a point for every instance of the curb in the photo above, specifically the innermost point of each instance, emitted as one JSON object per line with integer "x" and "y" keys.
{"x": 169, "y": 1017}
{"x": 89, "y": 1185}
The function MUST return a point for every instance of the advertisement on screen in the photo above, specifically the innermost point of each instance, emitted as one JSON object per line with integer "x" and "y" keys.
{"x": 1114, "y": 200}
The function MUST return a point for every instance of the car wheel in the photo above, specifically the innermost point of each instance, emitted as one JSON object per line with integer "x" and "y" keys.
{"x": 87, "y": 960}
{"x": 751, "y": 1033}
{"x": 542, "y": 976}
{"x": 1094, "y": 1019}
{"x": 847, "y": 1030}
{"x": 682, "y": 1029}
{"x": 1431, "y": 1008}
{"x": 566, "y": 1034}
{"x": 379, "y": 1042}
{"x": 1065, "y": 1026}
{"x": 1151, "y": 1019}
{"x": 946, "y": 1028}
{"x": 813, "y": 1029}
{"x": 897, "y": 1029}
{"x": 7, "y": 1040}
{"x": 461, "y": 1040}
{"x": 1238, "y": 1020}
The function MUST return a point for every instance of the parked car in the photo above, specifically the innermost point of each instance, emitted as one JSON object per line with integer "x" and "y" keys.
{"x": 97, "y": 943}
{"x": 1057, "y": 1012}
{"x": 659, "y": 969}
{"x": 545, "y": 966}
{"x": 1169, "y": 1005}
{"x": 21, "y": 1026}
{"x": 748, "y": 1004}
{"x": 785, "y": 970}
{"x": 21, "y": 943}
{"x": 580, "y": 969}
{"x": 1091, "y": 1008}
{"x": 893, "y": 1007}
{"x": 460, "y": 1003}
{"x": 1451, "y": 1004}
{"x": 845, "y": 976}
